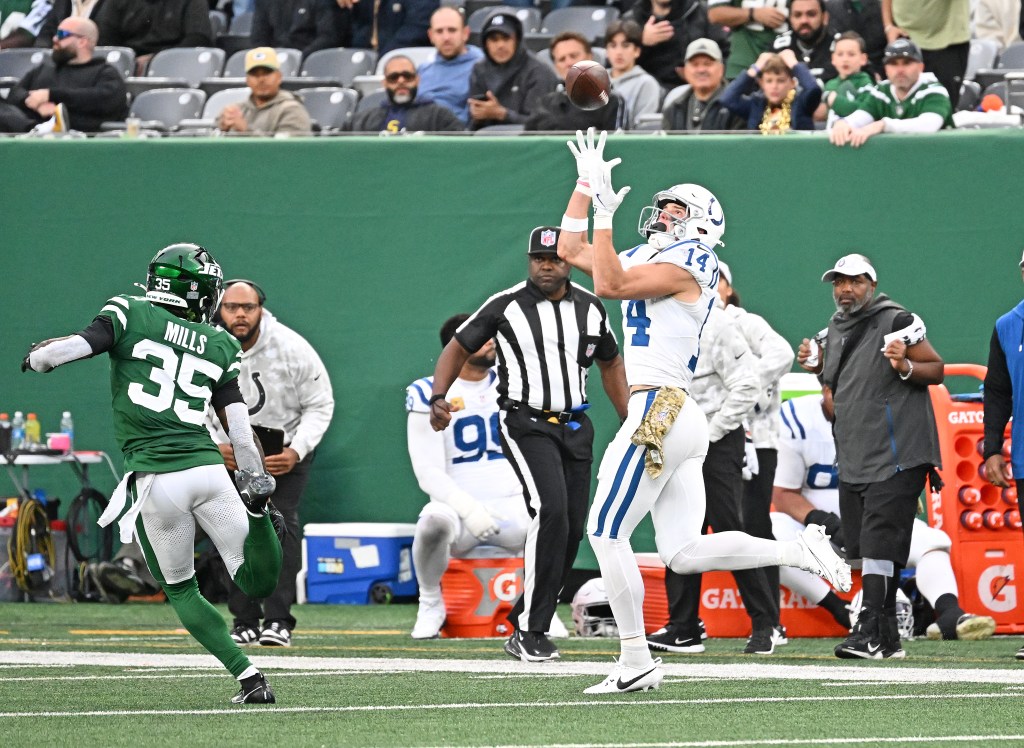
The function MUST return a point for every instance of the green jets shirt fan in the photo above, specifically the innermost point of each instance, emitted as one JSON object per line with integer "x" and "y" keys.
{"x": 163, "y": 372}
{"x": 927, "y": 96}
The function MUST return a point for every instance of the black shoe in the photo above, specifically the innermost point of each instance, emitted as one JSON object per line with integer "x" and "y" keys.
{"x": 890, "y": 636}
{"x": 254, "y": 690}
{"x": 1020, "y": 654}
{"x": 531, "y": 646}
{"x": 244, "y": 635}
{"x": 674, "y": 639}
{"x": 865, "y": 640}
{"x": 277, "y": 520}
{"x": 255, "y": 490}
{"x": 276, "y": 635}
{"x": 780, "y": 636}
{"x": 761, "y": 642}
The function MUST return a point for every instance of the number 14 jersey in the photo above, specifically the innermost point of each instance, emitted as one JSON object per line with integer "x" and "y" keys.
{"x": 163, "y": 373}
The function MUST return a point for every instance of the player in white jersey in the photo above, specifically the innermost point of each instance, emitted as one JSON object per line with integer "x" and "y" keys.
{"x": 807, "y": 490}
{"x": 475, "y": 497}
{"x": 654, "y": 463}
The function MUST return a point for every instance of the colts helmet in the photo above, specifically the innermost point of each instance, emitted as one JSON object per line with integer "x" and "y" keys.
{"x": 186, "y": 278}
{"x": 704, "y": 222}
{"x": 904, "y": 613}
{"x": 591, "y": 611}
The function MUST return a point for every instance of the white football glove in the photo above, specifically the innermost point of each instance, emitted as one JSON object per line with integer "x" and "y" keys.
{"x": 480, "y": 523}
{"x": 750, "y": 464}
{"x": 582, "y": 156}
{"x": 606, "y": 199}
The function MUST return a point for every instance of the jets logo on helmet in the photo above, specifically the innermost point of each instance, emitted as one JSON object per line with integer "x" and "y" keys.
{"x": 186, "y": 279}
{"x": 704, "y": 220}
{"x": 591, "y": 611}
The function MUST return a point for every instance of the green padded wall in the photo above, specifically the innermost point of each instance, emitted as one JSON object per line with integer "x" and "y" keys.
{"x": 364, "y": 245}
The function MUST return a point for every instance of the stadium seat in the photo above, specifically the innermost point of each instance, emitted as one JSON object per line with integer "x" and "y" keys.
{"x": 367, "y": 84}
{"x": 591, "y": 21}
{"x": 218, "y": 22}
{"x": 472, "y": 6}
{"x": 122, "y": 58}
{"x": 14, "y": 63}
{"x": 647, "y": 121}
{"x": 341, "y": 64}
{"x": 288, "y": 58}
{"x": 330, "y": 108}
{"x": 241, "y": 24}
{"x": 970, "y": 96}
{"x": 1011, "y": 91}
{"x": 371, "y": 100}
{"x": 502, "y": 129}
{"x": 1011, "y": 57}
{"x": 672, "y": 95}
{"x": 165, "y": 108}
{"x": 418, "y": 55}
{"x": 983, "y": 54}
{"x": 213, "y": 107}
{"x": 537, "y": 42}
{"x": 191, "y": 64}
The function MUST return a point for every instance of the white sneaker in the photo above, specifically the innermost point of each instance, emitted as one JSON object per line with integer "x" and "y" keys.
{"x": 624, "y": 679}
{"x": 820, "y": 558}
{"x": 429, "y": 619}
{"x": 557, "y": 629}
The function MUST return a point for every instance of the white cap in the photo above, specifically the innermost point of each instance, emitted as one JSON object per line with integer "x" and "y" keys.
{"x": 725, "y": 272}
{"x": 851, "y": 265}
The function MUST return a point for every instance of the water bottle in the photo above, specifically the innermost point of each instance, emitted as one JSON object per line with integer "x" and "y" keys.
{"x": 5, "y": 433}
{"x": 17, "y": 431}
{"x": 67, "y": 426}
{"x": 33, "y": 432}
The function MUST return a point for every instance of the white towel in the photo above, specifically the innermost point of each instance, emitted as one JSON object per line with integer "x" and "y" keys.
{"x": 119, "y": 499}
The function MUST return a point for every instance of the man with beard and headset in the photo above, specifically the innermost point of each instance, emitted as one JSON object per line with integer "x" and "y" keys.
{"x": 402, "y": 111}
{"x": 653, "y": 465}
{"x": 88, "y": 89}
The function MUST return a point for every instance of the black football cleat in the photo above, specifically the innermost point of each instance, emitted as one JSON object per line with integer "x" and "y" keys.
{"x": 254, "y": 690}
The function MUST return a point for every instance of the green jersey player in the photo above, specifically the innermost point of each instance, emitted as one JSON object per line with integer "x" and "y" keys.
{"x": 167, "y": 366}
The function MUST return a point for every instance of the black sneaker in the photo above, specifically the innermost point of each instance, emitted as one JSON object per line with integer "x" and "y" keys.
{"x": 276, "y": 635}
{"x": 890, "y": 637}
{"x": 1020, "y": 654}
{"x": 779, "y": 635}
{"x": 761, "y": 642}
{"x": 674, "y": 639}
{"x": 703, "y": 629}
{"x": 244, "y": 635}
{"x": 255, "y": 490}
{"x": 864, "y": 641}
{"x": 531, "y": 646}
{"x": 254, "y": 690}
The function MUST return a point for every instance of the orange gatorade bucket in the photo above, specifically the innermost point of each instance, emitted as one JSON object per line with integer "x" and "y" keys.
{"x": 478, "y": 596}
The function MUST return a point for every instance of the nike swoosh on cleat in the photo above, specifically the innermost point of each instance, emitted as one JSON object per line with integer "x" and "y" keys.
{"x": 622, "y": 686}
{"x": 875, "y": 648}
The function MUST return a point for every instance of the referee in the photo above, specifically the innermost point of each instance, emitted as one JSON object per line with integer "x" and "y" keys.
{"x": 548, "y": 332}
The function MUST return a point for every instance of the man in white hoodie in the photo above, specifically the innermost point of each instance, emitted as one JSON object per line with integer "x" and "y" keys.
{"x": 288, "y": 392}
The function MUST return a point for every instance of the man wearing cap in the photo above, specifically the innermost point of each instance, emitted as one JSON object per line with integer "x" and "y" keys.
{"x": 269, "y": 110}
{"x": 668, "y": 27}
{"x": 910, "y": 100}
{"x": 548, "y": 331}
{"x": 878, "y": 364}
{"x": 404, "y": 110}
{"x": 1004, "y": 397}
{"x": 699, "y": 108}
{"x": 942, "y": 28}
{"x": 508, "y": 84}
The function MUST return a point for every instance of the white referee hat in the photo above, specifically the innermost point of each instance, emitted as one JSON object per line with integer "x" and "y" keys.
{"x": 851, "y": 265}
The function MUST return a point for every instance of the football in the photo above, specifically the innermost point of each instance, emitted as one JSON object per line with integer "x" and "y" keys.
{"x": 587, "y": 85}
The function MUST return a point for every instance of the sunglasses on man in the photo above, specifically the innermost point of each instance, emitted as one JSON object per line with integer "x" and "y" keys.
{"x": 63, "y": 34}
{"x": 402, "y": 75}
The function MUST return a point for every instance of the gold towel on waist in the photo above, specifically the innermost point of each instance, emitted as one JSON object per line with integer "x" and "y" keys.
{"x": 655, "y": 426}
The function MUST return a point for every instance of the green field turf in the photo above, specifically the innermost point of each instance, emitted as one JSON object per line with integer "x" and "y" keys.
{"x": 103, "y": 675}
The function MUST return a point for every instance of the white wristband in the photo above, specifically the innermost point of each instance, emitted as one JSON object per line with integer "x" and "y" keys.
{"x": 602, "y": 221}
{"x": 575, "y": 224}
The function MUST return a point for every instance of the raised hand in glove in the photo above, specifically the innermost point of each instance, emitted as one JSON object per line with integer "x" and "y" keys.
{"x": 831, "y": 522}
{"x": 480, "y": 522}
{"x": 254, "y": 487}
{"x": 582, "y": 155}
{"x": 606, "y": 199}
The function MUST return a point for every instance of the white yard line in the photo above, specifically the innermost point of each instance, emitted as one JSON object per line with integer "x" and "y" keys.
{"x": 973, "y": 740}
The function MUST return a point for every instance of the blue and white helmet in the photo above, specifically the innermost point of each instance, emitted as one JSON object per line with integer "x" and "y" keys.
{"x": 591, "y": 611}
{"x": 704, "y": 222}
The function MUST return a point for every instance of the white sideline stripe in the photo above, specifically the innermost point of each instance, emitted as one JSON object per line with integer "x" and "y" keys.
{"x": 507, "y": 705}
{"x": 972, "y": 739}
{"x": 864, "y": 673}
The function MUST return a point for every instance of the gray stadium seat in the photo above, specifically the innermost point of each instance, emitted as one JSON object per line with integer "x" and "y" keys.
{"x": 330, "y": 107}
{"x": 418, "y": 55}
{"x": 502, "y": 129}
{"x": 191, "y": 64}
{"x": 672, "y": 95}
{"x": 983, "y": 54}
{"x": 1012, "y": 56}
{"x": 970, "y": 96}
{"x": 218, "y": 22}
{"x": 591, "y": 21}
{"x": 342, "y": 64}
{"x": 122, "y": 58}
{"x": 14, "y": 63}
{"x": 165, "y": 108}
{"x": 215, "y": 103}
{"x": 288, "y": 58}
{"x": 371, "y": 100}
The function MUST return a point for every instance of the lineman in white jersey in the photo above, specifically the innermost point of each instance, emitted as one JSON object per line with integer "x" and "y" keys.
{"x": 653, "y": 465}
{"x": 807, "y": 490}
{"x": 475, "y": 497}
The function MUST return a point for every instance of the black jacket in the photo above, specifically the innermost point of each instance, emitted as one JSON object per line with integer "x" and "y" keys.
{"x": 844, "y": 15}
{"x": 61, "y": 9}
{"x": 400, "y": 23}
{"x": 93, "y": 92}
{"x": 556, "y": 112}
{"x": 420, "y": 116}
{"x": 689, "y": 18}
{"x": 716, "y": 116}
{"x": 306, "y": 25}
{"x": 519, "y": 85}
{"x": 148, "y": 26}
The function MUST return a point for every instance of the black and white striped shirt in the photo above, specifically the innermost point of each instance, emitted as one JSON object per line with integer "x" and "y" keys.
{"x": 545, "y": 348}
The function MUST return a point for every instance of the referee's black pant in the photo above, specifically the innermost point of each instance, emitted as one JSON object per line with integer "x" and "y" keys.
{"x": 723, "y": 483}
{"x": 553, "y": 462}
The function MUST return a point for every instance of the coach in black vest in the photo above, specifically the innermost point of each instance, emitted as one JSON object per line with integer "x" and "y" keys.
{"x": 878, "y": 364}
{"x": 548, "y": 331}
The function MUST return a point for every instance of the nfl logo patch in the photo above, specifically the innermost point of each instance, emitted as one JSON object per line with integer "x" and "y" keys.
{"x": 591, "y": 347}
{"x": 547, "y": 238}
{"x": 194, "y": 286}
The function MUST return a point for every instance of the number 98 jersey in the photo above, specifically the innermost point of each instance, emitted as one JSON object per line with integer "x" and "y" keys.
{"x": 163, "y": 372}
{"x": 472, "y": 448}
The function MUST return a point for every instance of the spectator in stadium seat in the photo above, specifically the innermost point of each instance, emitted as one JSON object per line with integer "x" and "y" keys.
{"x": 29, "y": 29}
{"x": 61, "y": 9}
{"x": 385, "y": 26}
{"x": 754, "y": 25}
{"x": 701, "y": 108}
{"x": 149, "y": 26}
{"x": 779, "y": 106}
{"x": 941, "y": 29}
{"x": 839, "y": 98}
{"x": 269, "y": 110}
{"x": 668, "y": 27}
{"x": 810, "y": 36}
{"x": 864, "y": 17}
{"x": 306, "y": 25}
{"x": 556, "y": 112}
{"x": 507, "y": 85}
{"x": 91, "y": 90}
{"x": 445, "y": 79}
{"x": 910, "y": 100}
{"x": 638, "y": 88}
{"x": 405, "y": 110}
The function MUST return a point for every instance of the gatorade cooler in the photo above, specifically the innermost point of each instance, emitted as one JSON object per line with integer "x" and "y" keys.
{"x": 721, "y": 607}
{"x": 479, "y": 591}
{"x": 358, "y": 563}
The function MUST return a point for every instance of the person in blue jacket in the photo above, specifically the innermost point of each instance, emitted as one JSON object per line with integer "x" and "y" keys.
{"x": 768, "y": 98}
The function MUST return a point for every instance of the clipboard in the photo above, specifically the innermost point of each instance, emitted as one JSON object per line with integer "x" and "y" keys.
{"x": 272, "y": 440}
